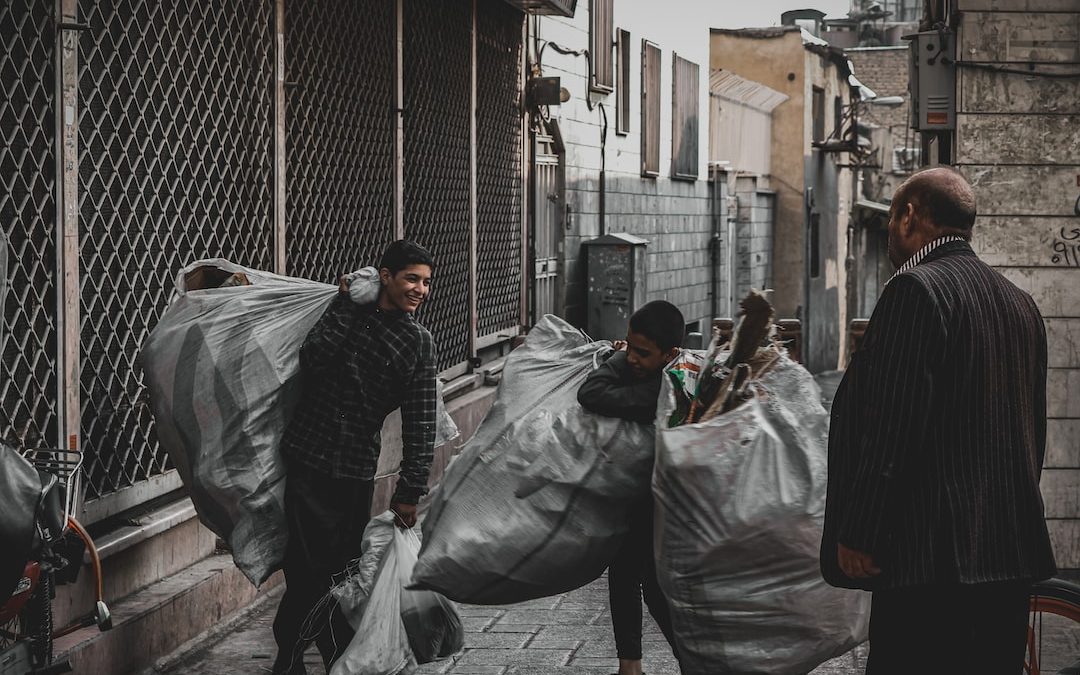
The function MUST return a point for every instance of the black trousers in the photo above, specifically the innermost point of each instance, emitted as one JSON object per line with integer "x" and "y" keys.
{"x": 326, "y": 518}
{"x": 953, "y": 628}
{"x": 632, "y": 576}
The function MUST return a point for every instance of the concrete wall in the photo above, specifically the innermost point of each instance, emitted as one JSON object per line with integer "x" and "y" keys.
{"x": 1017, "y": 141}
{"x": 825, "y": 317}
{"x": 674, "y": 215}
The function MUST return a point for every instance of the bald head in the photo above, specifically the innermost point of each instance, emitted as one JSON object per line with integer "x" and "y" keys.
{"x": 941, "y": 198}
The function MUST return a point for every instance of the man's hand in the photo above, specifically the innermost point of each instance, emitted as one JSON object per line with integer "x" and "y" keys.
{"x": 405, "y": 515}
{"x": 343, "y": 284}
{"x": 856, "y": 564}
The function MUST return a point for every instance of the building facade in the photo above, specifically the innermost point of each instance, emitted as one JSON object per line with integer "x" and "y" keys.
{"x": 632, "y": 152}
{"x": 812, "y": 184}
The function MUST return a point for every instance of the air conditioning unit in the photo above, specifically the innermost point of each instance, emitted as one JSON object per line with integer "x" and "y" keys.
{"x": 560, "y": 7}
{"x": 932, "y": 80}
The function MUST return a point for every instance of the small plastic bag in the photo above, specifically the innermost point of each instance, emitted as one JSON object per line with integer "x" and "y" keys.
{"x": 427, "y": 628}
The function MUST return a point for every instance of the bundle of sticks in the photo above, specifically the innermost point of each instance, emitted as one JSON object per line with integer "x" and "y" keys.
{"x": 723, "y": 383}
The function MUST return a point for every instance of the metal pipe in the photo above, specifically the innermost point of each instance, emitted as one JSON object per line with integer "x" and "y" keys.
{"x": 474, "y": 305}
{"x": 732, "y": 218}
{"x": 603, "y": 172}
{"x": 280, "y": 232}
{"x": 67, "y": 232}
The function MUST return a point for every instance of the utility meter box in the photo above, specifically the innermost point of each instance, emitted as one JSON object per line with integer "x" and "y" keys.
{"x": 932, "y": 78}
{"x": 616, "y": 267}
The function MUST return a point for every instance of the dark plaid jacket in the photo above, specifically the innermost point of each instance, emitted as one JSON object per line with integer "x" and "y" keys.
{"x": 938, "y": 432}
{"x": 358, "y": 364}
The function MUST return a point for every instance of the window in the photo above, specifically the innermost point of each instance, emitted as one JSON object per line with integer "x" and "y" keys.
{"x": 818, "y": 111}
{"x": 838, "y": 117}
{"x": 650, "y": 109}
{"x": 622, "y": 89}
{"x": 815, "y": 244}
{"x": 600, "y": 27}
{"x": 685, "y": 101}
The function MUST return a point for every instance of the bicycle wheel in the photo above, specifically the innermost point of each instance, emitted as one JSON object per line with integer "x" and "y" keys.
{"x": 37, "y": 622}
{"x": 1054, "y": 629}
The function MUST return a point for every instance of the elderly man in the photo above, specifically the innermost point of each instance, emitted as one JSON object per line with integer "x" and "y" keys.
{"x": 936, "y": 447}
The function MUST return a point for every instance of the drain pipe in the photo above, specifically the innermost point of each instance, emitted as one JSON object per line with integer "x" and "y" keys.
{"x": 732, "y": 218}
{"x": 602, "y": 206}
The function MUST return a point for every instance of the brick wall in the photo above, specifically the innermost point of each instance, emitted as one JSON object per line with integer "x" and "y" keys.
{"x": 675, "y": 216}
{"x": 885, "y": 70}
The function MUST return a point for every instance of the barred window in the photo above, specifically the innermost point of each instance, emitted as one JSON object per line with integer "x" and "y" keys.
{"x": 650, "y": 109}
{"x": 601, "y": 24}
{"x": 622, "y": 90}
{"x": 685, "y": 134}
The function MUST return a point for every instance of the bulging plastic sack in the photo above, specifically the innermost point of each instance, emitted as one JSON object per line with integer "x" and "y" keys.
{"x": 536, "y": 504}
{"x": 740, "y": 501}
{"x": 396, "y": 628}
{"x": 222, "y": 369}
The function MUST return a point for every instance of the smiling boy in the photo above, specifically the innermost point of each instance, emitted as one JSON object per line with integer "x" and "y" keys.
{"x": 358, "y": 364}
{"x": 627, "y": 386}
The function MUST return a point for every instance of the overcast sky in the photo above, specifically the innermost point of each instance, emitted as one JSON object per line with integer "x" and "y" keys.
{"x": 755, "y": 13}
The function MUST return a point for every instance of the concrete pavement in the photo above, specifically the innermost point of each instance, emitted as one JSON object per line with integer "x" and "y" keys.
{"x": 568, "y": 634}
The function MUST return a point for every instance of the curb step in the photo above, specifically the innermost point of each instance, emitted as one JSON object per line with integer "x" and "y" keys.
{"x": 166, "y": 616}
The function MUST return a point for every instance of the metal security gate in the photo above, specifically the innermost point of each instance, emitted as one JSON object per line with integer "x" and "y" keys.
{"x": 175, "y": 164}
{"x": 436, "y": 196}
{"x": 339, "y": 88}
{"x": 28, "y": 366}
{"x": 499, "y": 153}
{"x": 286, "y": 135}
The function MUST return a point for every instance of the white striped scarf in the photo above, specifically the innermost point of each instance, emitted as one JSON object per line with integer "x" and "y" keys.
{"x": 925, "y": 251}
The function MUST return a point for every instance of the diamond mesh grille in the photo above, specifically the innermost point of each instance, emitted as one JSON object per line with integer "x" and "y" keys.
{"x": 437, "y": 54}
{"x": 28, "y": 367}
{"x": 498, "y": 166}
{"x": 340, "y": 134}
{"x": 175, "y": 164}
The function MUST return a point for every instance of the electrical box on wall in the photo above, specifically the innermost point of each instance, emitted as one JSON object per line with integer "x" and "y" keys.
{"x": 932, "y": 79}
{"x": 616, "y": 265}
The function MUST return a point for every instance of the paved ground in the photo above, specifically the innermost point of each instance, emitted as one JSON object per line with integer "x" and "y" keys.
{"x": 568, "y": 634}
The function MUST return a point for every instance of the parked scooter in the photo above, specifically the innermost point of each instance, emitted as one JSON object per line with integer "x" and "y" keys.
{"x": 43, "y": 546}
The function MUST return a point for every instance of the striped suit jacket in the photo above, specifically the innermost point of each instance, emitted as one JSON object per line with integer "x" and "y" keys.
{"x": 938, "y": 432}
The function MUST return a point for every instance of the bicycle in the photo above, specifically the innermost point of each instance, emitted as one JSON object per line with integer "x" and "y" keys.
{"x": 1055, "y": 615}
{"x": 26, "y": 620}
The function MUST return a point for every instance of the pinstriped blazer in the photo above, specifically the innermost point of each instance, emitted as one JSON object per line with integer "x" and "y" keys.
{"x": 939, "y": 430}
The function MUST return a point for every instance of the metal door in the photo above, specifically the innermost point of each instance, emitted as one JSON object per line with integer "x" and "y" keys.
{"x": 546, "y": 227}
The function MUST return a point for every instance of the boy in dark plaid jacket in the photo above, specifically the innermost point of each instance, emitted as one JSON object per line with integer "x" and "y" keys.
{"x": 359, "y": 363}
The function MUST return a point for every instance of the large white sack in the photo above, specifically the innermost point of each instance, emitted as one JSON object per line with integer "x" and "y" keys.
{"x": 396, "y": 628}
{"x": 536, "y": 503}
{"x": 222, "y": 370}
{"x": 740, "y": 501}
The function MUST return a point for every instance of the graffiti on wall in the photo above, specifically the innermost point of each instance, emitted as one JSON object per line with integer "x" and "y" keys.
{"x": 1067, "y": 247}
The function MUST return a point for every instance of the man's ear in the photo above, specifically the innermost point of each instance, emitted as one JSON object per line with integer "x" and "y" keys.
{"x": 385, "y": 276}
{"x": 672, "y": 353}
{"x": 907, "y": 220}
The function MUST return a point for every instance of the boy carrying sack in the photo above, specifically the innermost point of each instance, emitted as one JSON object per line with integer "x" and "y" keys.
{"x": 627, "y": 386}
